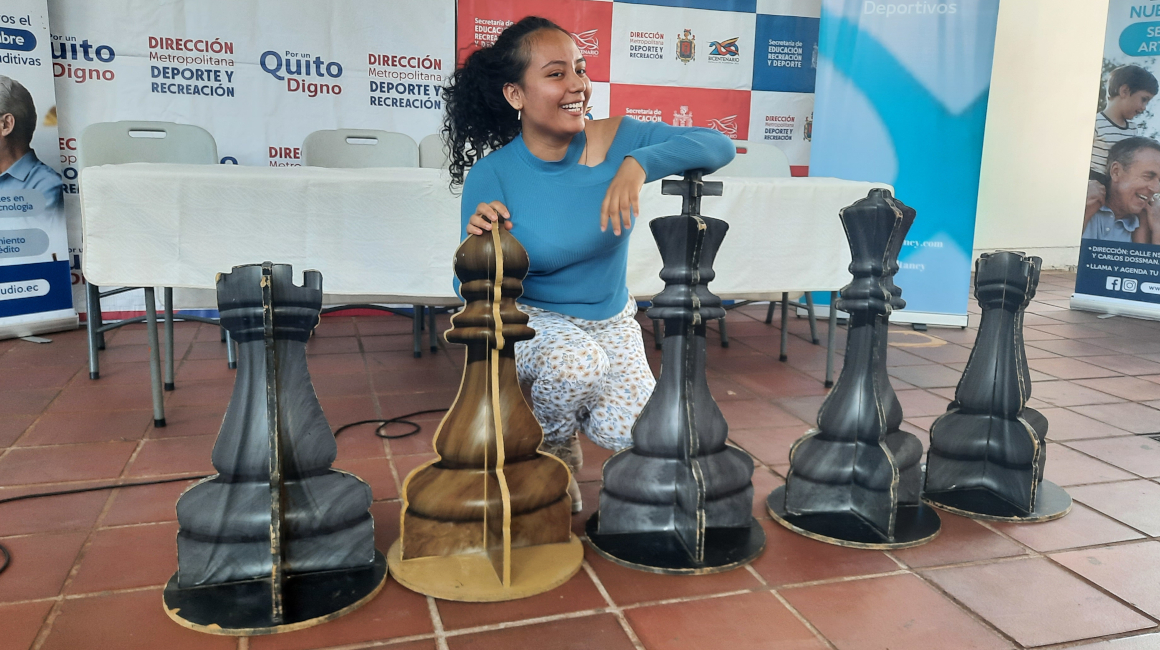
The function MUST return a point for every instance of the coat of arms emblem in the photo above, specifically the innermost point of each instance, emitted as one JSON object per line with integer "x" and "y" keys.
{"x": 808, "y": 129}
{"x": 686, "y": 47}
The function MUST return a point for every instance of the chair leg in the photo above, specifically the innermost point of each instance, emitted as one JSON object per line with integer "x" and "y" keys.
{"x": 784, "y": 327}
{"x": 154, "y": 358}
{"x": 223, "y": 333}
{"x": 417, "y": 329}
{"x": 92, "y": 322}
{"x": 658, "y": 333}
{"x": 769, "y": 312}
{"x": 813, "y": 319}
{"x": 231, "y": 351}
{"x": 167, "y": 294}
{"x": 100, "y": 319}
{"x": 432, "y": 337}
{"x": 724, "y": 333}
{"x": 830, "y": 339}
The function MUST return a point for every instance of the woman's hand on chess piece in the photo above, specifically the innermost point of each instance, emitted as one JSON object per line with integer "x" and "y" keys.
{"x": 485, "y": 215}
{"x": 622, "y": 201}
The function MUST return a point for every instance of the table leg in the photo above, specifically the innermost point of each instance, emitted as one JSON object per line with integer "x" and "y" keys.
{"x": 833, "y": 325}
{"x": 813, "y": 321}
{"x": 724, "y": 333}
{"x": 154, "y": 357}
{"x": 658, "y": 332}
{"x": 92, "y": 322}
{"x": 784, "y": 326}
{"x": 231, "y": 351}
{"x": 167, "y": 292}
{"x": 431, "y": 335}
{"x": 417, "y": 329}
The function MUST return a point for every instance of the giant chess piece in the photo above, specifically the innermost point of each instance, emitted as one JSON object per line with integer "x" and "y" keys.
{"x": 680, "y": 500}
{"x": 277, "y": 540}
{"x": 855, "y": 480}
{"x": 987, "y": 452}
{"x": 490, "y": 518}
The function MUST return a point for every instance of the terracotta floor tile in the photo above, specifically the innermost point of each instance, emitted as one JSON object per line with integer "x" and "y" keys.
{"x": 51, "y": 514}
{"x": 1128, "y": 364}
{"x": 790, "y": 558}
{"x": 896, "y": 612}
{"x": 376, "y": 472}
{"x": 1065, "y": 368}
{"x": 137, "y": 354}
{"x": 1072, "y": 331}
{"x": 1065, "y": 467}
{"x": 183, "y": 421}
{"x": 1137, "y": 454}
{"x": 1129, "y": 388}
{"x": 64, "y": 427}
{"x": 764, "y": 482}
{"x": 577, "y": 595}
{"x": 725, "y": 389}
{"x": 782, "y": 382}
{"x": 1130, "y": 571}
{"x": 26, "y": 402}
{"x": 1138, "y": 642}
{"x": 214, "y": 393}
{"x": 1067, "y": 393}
{"x": 896, "y": 357}
{"x": 933, "y": 376}
{"x": 1036, "y": 353}
{"x": 64, "y": 463}
{"x": 1135, "y": 503}
{"x": 126, "y": 621}
{"x": 1030, "y": 334}
{"x": 342, "y": 385}
{"x": 128, "y": 557}
{"x": 386, "y": 324}
{"x": 20, "y": 624}
{"x": 203, "y": 370}
{"x": 1127, "y": 344}
{"x": 753, "y": 414}
{"x": 949, "y": 353}
{"x": 336, "y": 325}
{"x": 99, "y": 396}
{"x": 145, "y": 504}
{"x": 1080, "y": 527}
{"x": 121, "y": 373}
{"x": 1070, "y": 348}
{"x": 44, "y": 377}
{"x": 756, "y": 621}
{"x": 40, "y": 563}
{"x": 920, "y": 403}
{"x": 332, "y": 345}
{"x": 805, "y": 409}
{"x": 1065, "y": 424}
{"x": 1036, "y": 602}
{"x": 599, "y": 631}
{"x": 627, "y": 586}
{"x": 403, "y": 404}
{"x": 768, "y": 445}
{"x": 395, "y": 612}
{"x": 1134, "y": 418}
{"x": 386, "y": 515}
{"x": 590, "y": 496}
{"x": 326, "y": 364}
{"x": 359, "y": 443}
{"x": 14, "y": 426}
{"x": 174, "y": 456}
{"x": 959, "y": 540}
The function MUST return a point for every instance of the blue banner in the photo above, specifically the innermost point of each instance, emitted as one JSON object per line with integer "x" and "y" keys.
{"x": 901, "y": 98}
{"x": 35, "y": 288}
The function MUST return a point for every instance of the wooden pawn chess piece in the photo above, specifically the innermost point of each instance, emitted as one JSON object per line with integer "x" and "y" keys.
{"x": 988, "y": 451}
{"x": 680, "y": 500}
{"x": 277, "y": 540}
{"x": 856, "y": 479}
{"x": 490, "y": 518}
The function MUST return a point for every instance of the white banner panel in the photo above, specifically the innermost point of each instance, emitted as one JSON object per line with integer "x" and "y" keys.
{"x": 675, "y": 46}
{"x": 785, "y": 120}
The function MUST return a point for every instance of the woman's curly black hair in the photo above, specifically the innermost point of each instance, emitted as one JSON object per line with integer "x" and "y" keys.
{"x": 478, "y": 117}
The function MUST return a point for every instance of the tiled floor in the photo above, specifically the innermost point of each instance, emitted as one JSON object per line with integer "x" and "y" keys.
{"x": 87, "y": 569}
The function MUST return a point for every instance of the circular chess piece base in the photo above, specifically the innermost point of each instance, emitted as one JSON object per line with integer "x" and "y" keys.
{"x": 914, "y": 525}
{"x": 243, "y": 608}
{"x": 663, "y": 552}
{"x": 1051, "y": 502}
{"x": 471, "y": 577}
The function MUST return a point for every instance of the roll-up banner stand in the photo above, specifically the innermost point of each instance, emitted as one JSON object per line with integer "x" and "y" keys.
{"x": 35, "y": 280}
{"x": 901, "y": 98}
{"x": 1119, "y": 252}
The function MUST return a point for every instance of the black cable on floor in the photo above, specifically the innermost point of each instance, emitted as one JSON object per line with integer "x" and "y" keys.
{"x": 383, "y": 424}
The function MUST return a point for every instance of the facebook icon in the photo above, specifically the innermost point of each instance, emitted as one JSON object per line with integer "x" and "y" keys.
{"x": 1113, "y": 284}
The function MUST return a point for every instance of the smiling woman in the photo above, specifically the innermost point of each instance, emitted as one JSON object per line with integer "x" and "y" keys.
{"x": 516, "y": 117}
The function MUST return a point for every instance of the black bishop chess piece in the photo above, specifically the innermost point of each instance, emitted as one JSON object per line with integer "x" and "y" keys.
{"x": 276, "y": 540}
{"x": 680, "y": 500}
{"x": 856, "y": 479}
{"x": 988, "y": 451}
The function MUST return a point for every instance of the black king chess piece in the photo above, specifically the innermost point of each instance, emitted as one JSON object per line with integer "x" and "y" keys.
{"x": 680, "y": 500}
{"x": 277, "y": 540}
{"x": 987, "y": 452}
{"x": 855, "y": 480}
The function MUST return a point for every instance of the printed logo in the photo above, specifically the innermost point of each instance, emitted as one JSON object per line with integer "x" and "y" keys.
{"x": 587, "y": 42}
{"x": 686, "y": 46}
{"x": 1113, "y": 284}
{"x": 646, "y": 45}
{"x": 683, "y": 117}
{"x": 808, "y": 129}
{"x": 66, "y": 48}
{"x": 726, "y": 125}
{"x": 778, "y": 128}
{"x": 294, "y": 67}
{"x": 724, "y": 48}
{"x": 197, "y": 66}
{"x": 1129, "y": 285}
{"x": 644, "y": 114}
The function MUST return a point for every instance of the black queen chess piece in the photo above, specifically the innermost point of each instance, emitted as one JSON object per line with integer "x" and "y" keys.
{"x": 855, "y": 480}
{"x": 988, "y": 451}
{"x": 680, "y": 500}
{"x": 277, "y": 540}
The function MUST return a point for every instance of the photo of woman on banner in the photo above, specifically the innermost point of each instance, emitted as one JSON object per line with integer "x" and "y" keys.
{"x": 1126, "y": 213}
{"x": 20, "y": 169}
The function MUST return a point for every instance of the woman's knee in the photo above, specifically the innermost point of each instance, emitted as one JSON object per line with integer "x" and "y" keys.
{"x": 584, "y": 366}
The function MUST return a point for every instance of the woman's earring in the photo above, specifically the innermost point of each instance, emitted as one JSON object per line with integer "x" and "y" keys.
{"x": 519, "y": 115}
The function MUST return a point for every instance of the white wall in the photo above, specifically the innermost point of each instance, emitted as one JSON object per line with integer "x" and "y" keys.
{"x": 1044, "y": 86}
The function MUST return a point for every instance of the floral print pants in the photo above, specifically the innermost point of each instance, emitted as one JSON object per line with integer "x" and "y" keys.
{"x": 586, "y": 375}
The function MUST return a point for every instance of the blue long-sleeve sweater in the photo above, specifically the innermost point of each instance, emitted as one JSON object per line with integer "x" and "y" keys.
{"x": 576, "y": 269}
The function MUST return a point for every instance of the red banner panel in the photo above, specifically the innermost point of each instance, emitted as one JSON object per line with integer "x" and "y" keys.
{"x": 724, "y": 110}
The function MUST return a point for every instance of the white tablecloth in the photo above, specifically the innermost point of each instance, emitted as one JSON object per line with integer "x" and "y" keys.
{"x": 391, "y": 233}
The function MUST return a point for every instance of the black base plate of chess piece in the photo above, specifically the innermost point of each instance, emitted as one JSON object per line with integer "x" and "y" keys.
{"x": 663, "y": 552}
{"x": 1051, "y": 502}
{"x": 914, "y": 525}
{"x": 243, "y": 608}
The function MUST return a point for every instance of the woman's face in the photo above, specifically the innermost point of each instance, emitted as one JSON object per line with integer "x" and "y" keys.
{"x": 555, "y": 90}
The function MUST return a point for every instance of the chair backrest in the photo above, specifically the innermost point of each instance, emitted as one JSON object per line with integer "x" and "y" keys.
{"x": 757, "y": 159}
{"x": 357, "y": 148}
{"x": 431, "y": 152}
{"x": 112, "y": 143}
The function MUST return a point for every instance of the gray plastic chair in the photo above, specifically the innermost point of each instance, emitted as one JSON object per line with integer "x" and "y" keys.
{"x": 359, "y": 148}
{"x": 432, "y": 154}
{"x": 112, "y": 143}
{"x": 362, "y": 148}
